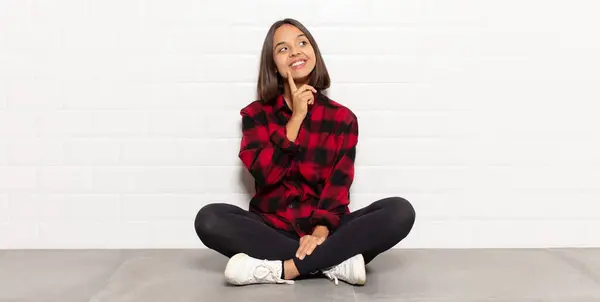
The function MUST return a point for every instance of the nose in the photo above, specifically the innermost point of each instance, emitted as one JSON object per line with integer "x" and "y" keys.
{"x": 294, "y": 52}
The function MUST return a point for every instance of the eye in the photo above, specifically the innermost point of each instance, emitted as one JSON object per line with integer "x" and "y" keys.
{"x": 305, "y": 42}
{"x": 281, "y": 49}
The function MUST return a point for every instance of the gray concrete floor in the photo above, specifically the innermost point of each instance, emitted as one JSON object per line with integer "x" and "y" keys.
{"x": 571, "y": 275}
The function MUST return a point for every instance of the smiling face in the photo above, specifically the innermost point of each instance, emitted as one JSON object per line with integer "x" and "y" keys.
{"x": 293, "y": 52}
{"x": 290, "y": 47}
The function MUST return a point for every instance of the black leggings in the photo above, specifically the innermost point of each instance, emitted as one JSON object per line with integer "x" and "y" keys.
{"x": 369, "y": 231}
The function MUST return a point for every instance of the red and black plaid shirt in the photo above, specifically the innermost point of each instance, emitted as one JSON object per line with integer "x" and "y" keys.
{"x": 304, "y": 183}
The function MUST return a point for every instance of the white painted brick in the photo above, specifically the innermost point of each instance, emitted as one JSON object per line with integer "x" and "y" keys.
{"x": 187, "y": 13}
{"x": 374, "y": 69}
{"x": 2, "y": 97}
{"x": 99, "y": 235}
{"x": 174, "y": 233}
{"x": 192, "y": 124}
{"x": 34, "y": 207}
{"x": 4, "y": 208}
{"x": 184, "y": 207}
{"x": 65, "y": 179}
{"x": 115, "y": 95}
{"x": 152, "y": 207}
{"x": 543, "y": 177}
{"x": 3, "y": 152}
{"x": 392, "y": 179}
{"x": 158, "y": 96}
{"x": 35, "y": 152}
{"x": 18, "y": 179}
{"x": 165, "y": 179}
{"x": 472, "y": 151}
{"x": 407, "y": 96}
{"x": 233, "y": 40}
{"x": 530, "y": 151}
{"x": 93, "y": 207}
{"x": 66, "y": 124}
{"x": 46, "y": 96}
{"x": 181, "y": 152}
{"x": 473, "y": 203}
{"x": 508, "y": 233}
{"x": 94, "y": 124}
{"x": 368, "y": 41}
{"x": 70, "y": 234}
{"x": 117, "y": 123}
{"x": 219, "y": 68}
{"x": 210, "y": 96}
{"x": 428, "y": 124}
{"x": 19, "y": 234}
{"x": 340, "y": 13}
{"x": 90, "y": 151}
{"x": 415, "y": 151}
{"x": 17, "y": 124}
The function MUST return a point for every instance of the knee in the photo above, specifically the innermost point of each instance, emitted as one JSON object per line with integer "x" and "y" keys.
{"x": 207, "y": 220}
{"x": 402, "y": 214}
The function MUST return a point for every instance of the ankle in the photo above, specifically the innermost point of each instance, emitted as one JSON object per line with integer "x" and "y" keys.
{"x": 289, "y": 270}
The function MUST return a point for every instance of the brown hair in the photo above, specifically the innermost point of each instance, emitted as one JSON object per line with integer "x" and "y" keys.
{"x": 270, "y": 83}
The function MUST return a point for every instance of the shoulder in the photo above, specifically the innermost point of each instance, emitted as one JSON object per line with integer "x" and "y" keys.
{"x": 253, "y": 109}
{"x": 340, "y": 112}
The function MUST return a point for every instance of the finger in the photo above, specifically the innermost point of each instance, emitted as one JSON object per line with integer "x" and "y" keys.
{"x": 302, "y": 253}
{"x": 307, "y": 87}
{"x": 306, "y": 96}
{"x": 291, "y": 81}
{"x": 309, "y": 102}
{"x": 305, "y": 246}
{"x": 308, "y": 247}
{"x": 311, "y": 248}
{"x": 300, "y": 247}
{"x": 321, "y": 240}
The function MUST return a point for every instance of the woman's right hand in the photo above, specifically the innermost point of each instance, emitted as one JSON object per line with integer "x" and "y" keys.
{"x": 301, "y": 97}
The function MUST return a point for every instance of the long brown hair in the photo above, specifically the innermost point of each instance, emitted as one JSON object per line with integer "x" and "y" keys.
{"x": 270, "y": 82}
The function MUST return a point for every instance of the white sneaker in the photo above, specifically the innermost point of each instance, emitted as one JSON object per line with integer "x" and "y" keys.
{"x": 351, "y": 270}
{"x": 242, "y": 269}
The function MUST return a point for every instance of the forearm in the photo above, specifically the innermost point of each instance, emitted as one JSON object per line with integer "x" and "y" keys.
{"x": 293, "y": 128}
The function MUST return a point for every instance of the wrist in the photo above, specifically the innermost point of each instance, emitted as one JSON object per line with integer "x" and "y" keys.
{"x": 321, "y": 230}
{"x": 297, "y": 117}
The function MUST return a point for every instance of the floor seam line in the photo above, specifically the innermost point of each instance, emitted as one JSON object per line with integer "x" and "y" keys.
{"x": 110, "y": 277}
{"x": 577, "y": 265}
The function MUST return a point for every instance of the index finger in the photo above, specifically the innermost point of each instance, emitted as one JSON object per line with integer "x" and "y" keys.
{"x": 291, "y": 81}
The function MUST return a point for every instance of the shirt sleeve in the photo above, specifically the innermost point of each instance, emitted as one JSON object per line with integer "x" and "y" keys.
{"x": 266, "y": 152}
{"x": 335, "y": 195}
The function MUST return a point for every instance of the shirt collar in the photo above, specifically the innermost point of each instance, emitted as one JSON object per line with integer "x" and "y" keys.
{"x": 280, "y": 104}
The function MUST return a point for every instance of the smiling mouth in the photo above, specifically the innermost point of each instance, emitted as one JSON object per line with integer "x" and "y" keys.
{"x": 298, "y": 64}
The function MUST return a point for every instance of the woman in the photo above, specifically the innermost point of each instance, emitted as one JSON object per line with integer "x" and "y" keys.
{"x": 300, "y": 148}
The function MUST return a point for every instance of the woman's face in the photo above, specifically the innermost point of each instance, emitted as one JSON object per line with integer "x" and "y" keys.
{"x": 293, "y": 52}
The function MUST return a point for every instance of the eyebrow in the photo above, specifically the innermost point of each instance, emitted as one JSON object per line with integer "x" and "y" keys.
{"x": 282, "y": 42}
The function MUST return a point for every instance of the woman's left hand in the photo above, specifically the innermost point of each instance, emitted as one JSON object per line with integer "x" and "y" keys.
{"x": 308, "y": 243}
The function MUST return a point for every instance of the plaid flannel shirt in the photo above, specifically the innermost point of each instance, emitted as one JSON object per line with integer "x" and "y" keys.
{"x": 304, "y": 183}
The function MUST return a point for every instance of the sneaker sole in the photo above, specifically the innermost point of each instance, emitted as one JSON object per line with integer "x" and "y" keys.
{"x": 230, "y": 269}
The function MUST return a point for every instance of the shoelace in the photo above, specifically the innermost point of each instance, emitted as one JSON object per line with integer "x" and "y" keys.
{"x": 331, "y": 276}
{"x": 269, "y": 271}
{"x": 332, "y": 272}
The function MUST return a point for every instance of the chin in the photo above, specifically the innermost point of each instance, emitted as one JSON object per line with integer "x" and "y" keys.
{"x": 302, "y": 75}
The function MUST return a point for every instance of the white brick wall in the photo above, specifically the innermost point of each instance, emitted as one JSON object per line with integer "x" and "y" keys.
{"x": 120, "y": 119}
